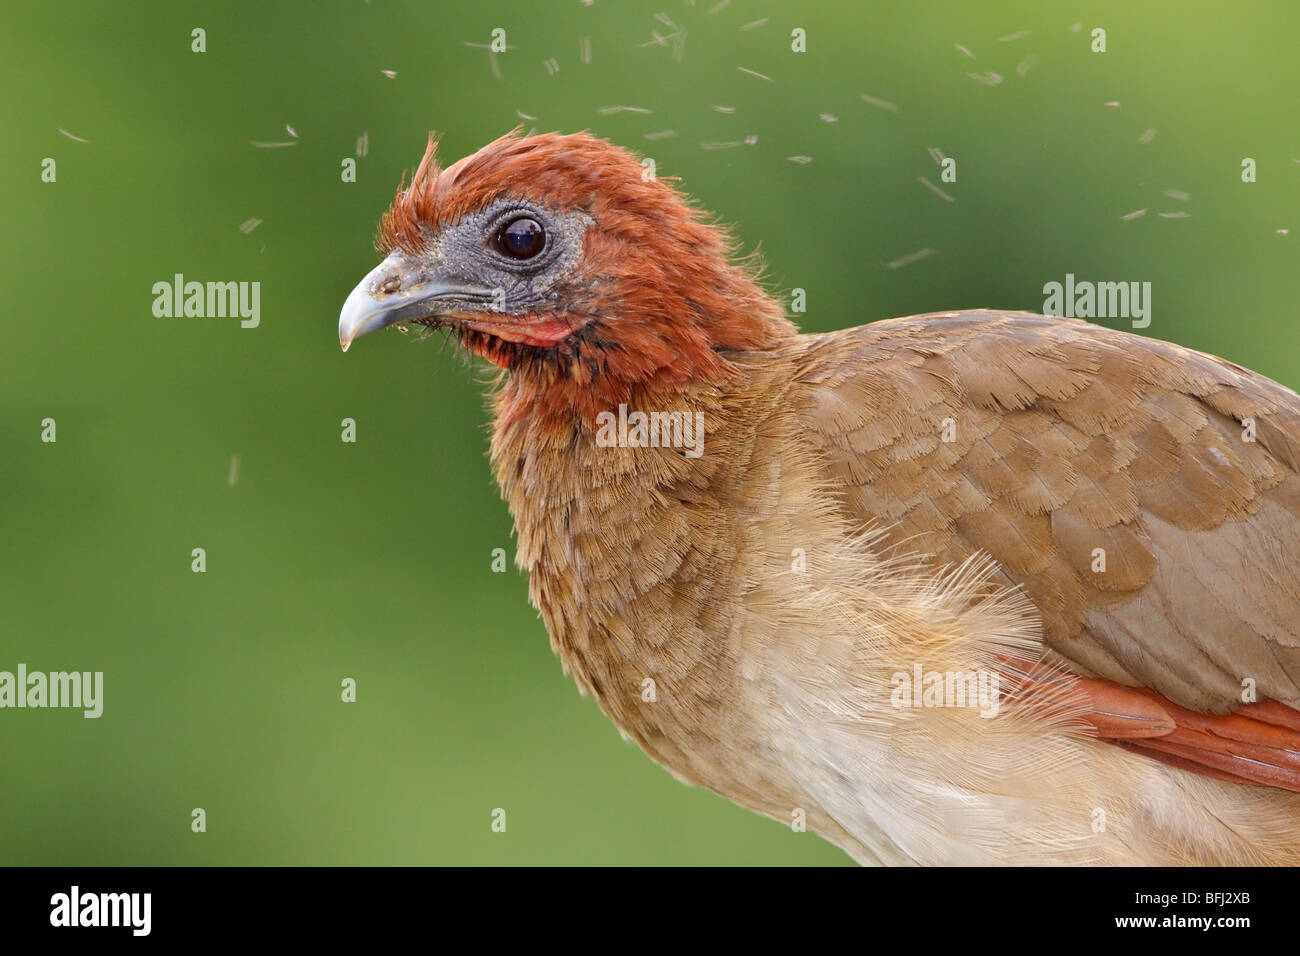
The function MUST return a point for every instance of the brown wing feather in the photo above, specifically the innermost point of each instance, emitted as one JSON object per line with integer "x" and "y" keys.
{"x": 1067, "y": 438}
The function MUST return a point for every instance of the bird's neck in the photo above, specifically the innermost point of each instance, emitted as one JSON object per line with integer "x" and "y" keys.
{"x": 638, "y": 556}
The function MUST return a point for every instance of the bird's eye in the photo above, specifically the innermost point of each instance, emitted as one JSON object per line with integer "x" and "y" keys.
{"x": 521, "y": 238}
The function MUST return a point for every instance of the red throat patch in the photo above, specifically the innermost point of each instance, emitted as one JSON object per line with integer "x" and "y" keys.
{"x": 492, "y": 330}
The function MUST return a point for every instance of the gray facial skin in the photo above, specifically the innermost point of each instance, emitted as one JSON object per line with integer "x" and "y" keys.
{"x": 462, "y": 268}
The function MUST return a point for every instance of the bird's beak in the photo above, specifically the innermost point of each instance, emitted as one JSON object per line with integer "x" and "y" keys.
{"x": 402, "y": 289}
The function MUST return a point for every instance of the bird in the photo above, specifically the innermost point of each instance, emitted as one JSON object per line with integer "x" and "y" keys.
{"x": 974, "y": 587}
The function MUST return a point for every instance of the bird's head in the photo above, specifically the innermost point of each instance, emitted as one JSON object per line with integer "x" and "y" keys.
{"x": 562, "y": 261}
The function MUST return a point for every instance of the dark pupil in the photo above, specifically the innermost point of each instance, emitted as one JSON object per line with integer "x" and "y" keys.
{"x": 521, "y": 238}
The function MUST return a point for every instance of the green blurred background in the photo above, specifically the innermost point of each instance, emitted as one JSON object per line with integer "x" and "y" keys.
{"x": 372, "y": 560}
